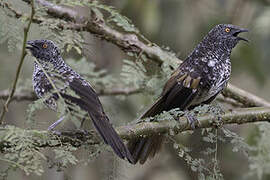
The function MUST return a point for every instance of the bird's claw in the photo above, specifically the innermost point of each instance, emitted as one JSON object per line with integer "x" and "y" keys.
{"x": 192, "y": 120}
{"x": 58, "y": 133}
{"x": 83, "y": 120}
{"x": 53, "y": 125}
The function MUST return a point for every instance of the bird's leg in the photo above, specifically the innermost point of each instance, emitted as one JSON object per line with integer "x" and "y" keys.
{"x": 192, "y": 119}
{"x": 52, "y": 126}
{"x": 83, "y": 120}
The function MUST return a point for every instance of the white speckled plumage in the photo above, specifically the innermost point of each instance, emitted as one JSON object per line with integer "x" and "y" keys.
{"x": 198, "y": 80}
{"x": 42, "y": 85}
{"x": 73, "y": 89}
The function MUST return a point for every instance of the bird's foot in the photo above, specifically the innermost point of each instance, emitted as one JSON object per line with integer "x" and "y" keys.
{"x": 192, "y": 119}
{"x": 52, "y": 126}
{"x": 82, "y": 131}
{"x": 82, "y": 123}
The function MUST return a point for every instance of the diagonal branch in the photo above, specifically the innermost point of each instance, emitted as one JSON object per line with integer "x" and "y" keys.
{"x": 79, "y": 138}
{"x": 126, "y": 41}
{"x": 246, "y": 98}
{"x": 23, "y": 54}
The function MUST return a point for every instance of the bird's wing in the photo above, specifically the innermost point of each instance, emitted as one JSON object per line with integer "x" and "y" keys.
{"x": 178, "y": 92}
{"x": 181, "y": 89}
{"x": 77, "y": 92}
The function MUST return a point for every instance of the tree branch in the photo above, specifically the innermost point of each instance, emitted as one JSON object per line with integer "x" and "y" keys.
{"x": 126, "y": 41}
{"x": 240, "y": 116}
{"x": 244, "y": 97}
{"x": 78, "y": 138}
{"x": 31, "y": 96}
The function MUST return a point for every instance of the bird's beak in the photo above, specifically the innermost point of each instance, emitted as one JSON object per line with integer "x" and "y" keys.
{"x": 240, "y": 30}
{"x": 31, "y": 45}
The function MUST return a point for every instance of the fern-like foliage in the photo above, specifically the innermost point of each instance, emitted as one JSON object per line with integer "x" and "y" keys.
{"x": 22, "y": 152}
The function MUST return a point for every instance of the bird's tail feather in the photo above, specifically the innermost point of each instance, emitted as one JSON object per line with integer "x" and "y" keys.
{"x": 110, "y": 136}
{"x": 143, "y": 148}
{"x": 89, "y": 101}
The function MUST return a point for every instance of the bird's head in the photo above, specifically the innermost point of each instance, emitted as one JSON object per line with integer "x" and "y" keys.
{"x": 44, "y": 50}
{"x": 226, "y": 35}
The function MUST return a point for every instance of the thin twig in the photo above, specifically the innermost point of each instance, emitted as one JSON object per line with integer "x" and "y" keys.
{"x": 246, "y": 98}
{"x": 53, "y": 85}
{"x": 26, "y": 30}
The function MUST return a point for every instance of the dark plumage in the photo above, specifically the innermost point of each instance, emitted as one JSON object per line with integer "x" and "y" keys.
{"x": 198, "y": 80}
{"x": 75, "y": 91}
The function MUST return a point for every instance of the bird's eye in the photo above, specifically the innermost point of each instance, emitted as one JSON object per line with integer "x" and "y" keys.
{"x": 227, "y": 30}
{"x": 44, "y": 45}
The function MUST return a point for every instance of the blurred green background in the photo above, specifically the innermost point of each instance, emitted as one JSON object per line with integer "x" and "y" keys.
{"x": 180, "y": 25}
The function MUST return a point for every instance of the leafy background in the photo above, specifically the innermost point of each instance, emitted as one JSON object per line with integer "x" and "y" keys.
{"x": 177, "y": 24}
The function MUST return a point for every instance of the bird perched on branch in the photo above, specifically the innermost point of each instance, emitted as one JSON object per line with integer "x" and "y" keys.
{"x": 198, "y": 80}
{"x": 56, "y": 82}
